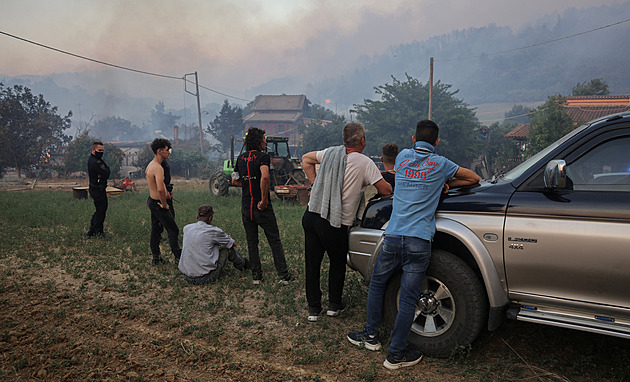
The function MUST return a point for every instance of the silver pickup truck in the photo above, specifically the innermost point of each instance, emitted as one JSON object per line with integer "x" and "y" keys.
{"x": 547, "y": 242}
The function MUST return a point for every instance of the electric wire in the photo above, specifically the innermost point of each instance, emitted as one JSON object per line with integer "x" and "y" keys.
{"x": 533, "y": 45}
{"x": 114, "y": 65}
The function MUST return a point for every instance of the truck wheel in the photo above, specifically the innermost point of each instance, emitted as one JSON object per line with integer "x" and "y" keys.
{"x": 451, "y": 311}
{"x": 219, "y": 184}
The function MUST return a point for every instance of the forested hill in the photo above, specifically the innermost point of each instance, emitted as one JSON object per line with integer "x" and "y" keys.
{"x": 520, "y": 75}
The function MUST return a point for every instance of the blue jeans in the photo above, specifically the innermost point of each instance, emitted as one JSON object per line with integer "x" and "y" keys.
{"x": 412, "y": 254}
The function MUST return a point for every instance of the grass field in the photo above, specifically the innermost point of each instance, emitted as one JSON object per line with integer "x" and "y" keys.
{"x": 95, "y": 309}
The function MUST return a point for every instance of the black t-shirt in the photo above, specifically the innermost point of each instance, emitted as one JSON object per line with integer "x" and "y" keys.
{"x": 167, "y": 176}
{"x": 389, "y": 178}
{"x": 248, "y": 167}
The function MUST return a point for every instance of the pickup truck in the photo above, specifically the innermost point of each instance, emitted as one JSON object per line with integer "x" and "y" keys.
{"x": 548, "y": 242}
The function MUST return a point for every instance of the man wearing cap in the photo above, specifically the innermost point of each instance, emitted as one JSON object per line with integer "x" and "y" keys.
{"x": 206, "y": 249}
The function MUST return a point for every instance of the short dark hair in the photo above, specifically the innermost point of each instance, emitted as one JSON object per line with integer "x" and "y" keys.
{"x": 205, "y": 211}
{"x": 159, "y": 143}
{"x": 390, "y": 151}
{"x": 427, "y": 131}
{"x": 253, "y": 138}
{"x": 96, "y": 143}
{"x": 352, "y": 134}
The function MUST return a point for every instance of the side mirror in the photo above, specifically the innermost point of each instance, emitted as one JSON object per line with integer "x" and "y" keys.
{"x": 556, "y": 174}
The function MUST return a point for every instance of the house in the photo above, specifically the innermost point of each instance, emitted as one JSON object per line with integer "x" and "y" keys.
{"x": 278, "y": 115}
{"x": 581, "y": 109}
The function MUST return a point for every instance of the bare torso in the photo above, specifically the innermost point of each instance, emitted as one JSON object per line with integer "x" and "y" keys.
{"x": 155, "y": 180}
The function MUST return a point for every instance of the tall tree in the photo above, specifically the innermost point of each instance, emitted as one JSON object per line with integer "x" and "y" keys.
{"x": 163, "y": 121}
{"x": 596, "y": 86}
{"x": 550, "y": 122}
{"x": 30, "y": 128}
{"x": 401, "y": 104}
{"x": 519, "y": 114}
{"x": 117, "y": 129}
{"x": 228, "y": 123}
{"x": 80, "y": 148}
{"x": 322, "y": 129}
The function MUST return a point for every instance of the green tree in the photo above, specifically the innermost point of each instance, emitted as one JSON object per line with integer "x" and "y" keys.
{"x": 228, "y": 123}
{"x": 187, "y": 163}
{"x": 162, "y": 121}
{"x": 114, "y": 129}
{"x": 79, "y": 150}
{"x": 392, "y": 118}
{"x": 518, "y": 114}
{"x": 596, "y": 86}
{"x": 319, "y": 134}
{"x": 323, "y": 128}
{"x": 30, "y": 129}
{"x": 499, "y": 151}
{"x": 549, "y": 123}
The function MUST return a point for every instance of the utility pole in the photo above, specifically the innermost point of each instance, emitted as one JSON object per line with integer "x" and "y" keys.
{"x": 431, "y": 90}
{"x": 198, "y": 106}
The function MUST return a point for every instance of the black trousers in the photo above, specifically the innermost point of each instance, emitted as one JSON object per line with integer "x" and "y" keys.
{"x": 100, "y": 203}
{"x": 267, "y": 221}
{"x": 163, "y": 219}
{"x": 320, "y": 237}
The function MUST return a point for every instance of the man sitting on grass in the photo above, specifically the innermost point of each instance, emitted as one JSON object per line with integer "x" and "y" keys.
{"x": 206, "y": 249}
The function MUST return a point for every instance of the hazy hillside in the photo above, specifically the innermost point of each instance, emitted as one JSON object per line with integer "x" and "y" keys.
{"x": 466, "y": 59}
{"x": 519, "y": 76}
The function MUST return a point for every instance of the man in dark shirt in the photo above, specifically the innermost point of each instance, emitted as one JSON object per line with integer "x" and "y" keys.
{"x": 168, "y": 185}
{"x": 390, "y": 152}
{"x": 98, "y": 173}
{"x": 252, "y": 174}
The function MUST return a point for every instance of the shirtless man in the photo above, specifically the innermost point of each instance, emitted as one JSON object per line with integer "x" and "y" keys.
{"x": 161, "y": 217}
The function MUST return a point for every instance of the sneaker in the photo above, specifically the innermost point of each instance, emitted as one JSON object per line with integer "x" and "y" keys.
{"x": 314, "y": 313}
{"x": 257, "y": 279}
{"x": 284, "y": 280}
{"x": 335, "y": 309}
{"x": 404, "y": 359}
{"x": 363, "y": 339}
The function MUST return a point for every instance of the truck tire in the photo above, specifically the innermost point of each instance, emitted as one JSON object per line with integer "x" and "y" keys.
{"x": 452, "y": 309}
{"x": 219, "y": 184}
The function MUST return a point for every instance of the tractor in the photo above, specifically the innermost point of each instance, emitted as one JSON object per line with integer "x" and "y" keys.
{"x": 288, "y": 180}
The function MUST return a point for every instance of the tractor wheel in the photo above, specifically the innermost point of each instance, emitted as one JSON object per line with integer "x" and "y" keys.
{"x": 219, "y": 184}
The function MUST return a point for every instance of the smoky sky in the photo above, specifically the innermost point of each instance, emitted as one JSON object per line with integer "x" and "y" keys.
{"x": 235, "y": 45}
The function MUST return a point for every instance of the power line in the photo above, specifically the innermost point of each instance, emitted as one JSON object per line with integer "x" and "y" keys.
{"x": 90, "y": 59}
{"x": 114, "y": 65}
{"x": 534, "y": 45}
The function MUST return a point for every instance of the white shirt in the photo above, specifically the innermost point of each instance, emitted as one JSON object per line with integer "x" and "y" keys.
{"x": 360, "y": 172}
{"x": 200, "y": 251}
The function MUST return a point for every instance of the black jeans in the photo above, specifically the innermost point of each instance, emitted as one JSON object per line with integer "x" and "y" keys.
{"x": 161, "y": 219}
{"x": 100, "y": 203}
{"x": 320, "y": 237}
{"x": 267, "y": 221}
{"x": 225, "y": 255}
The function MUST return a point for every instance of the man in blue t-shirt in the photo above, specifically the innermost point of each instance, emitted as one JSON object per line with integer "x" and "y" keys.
{"x": 421, "y": 175}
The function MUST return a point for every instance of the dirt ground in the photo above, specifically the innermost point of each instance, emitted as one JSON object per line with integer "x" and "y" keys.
{"x": 56, "y": 327}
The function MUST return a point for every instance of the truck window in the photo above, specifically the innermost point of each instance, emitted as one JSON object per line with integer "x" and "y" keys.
{"x": 604, "y": 168}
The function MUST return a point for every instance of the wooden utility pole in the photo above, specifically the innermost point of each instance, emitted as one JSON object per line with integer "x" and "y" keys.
{"x": 431, "y": 90}
{"x": 196, "y": 93}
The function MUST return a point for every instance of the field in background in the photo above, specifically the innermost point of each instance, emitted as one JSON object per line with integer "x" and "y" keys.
{"x": 94, "y": 309}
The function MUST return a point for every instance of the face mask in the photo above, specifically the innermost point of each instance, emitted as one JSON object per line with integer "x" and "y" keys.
{"x": 98, "y": 154}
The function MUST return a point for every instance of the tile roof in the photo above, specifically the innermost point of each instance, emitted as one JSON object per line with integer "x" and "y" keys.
{"x": 279, "y": 102}
{"x": 519, "y": 133}
{"x": 581, "y": 114}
